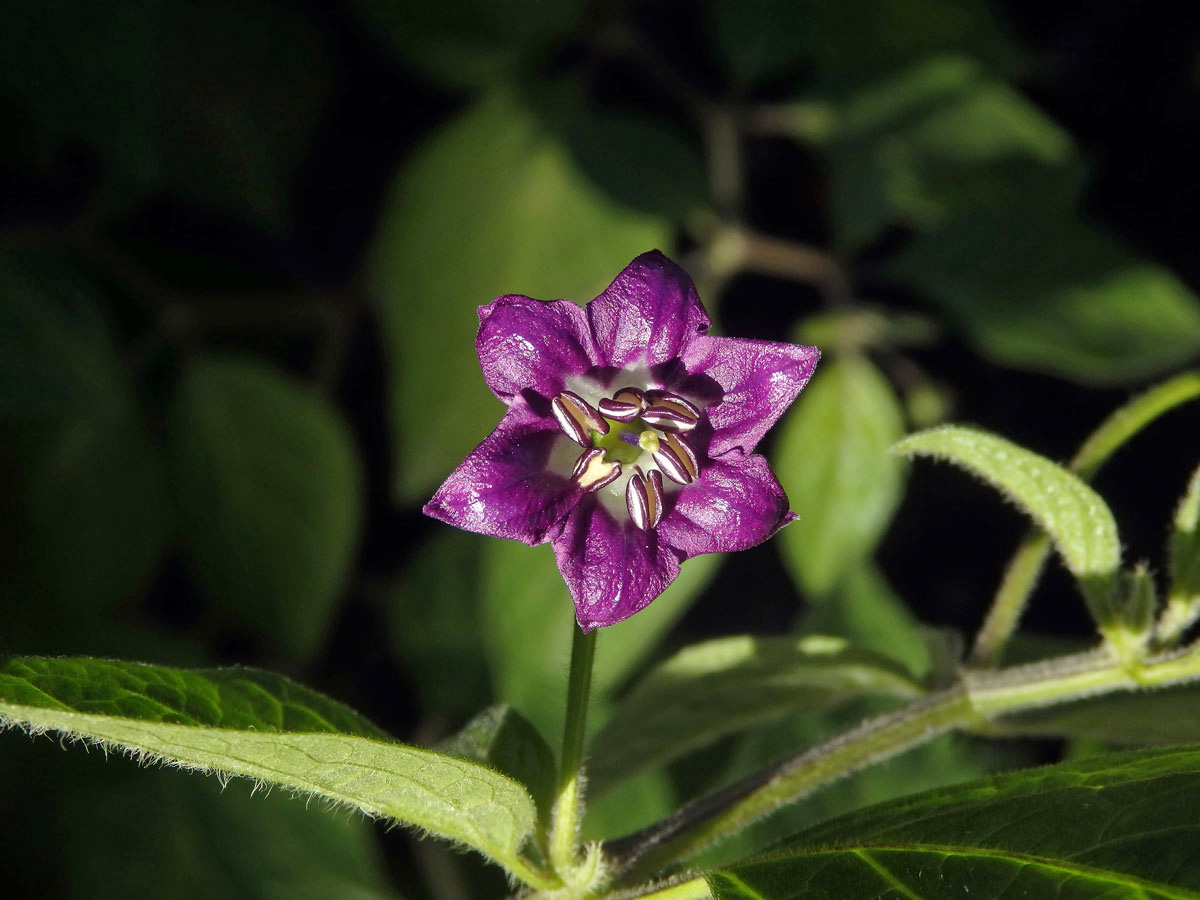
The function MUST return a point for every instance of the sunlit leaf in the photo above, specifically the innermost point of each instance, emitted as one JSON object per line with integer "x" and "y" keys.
{"x": 492, "y": 204}
{"x": 268, "y": 485}
{"x": 1183, "y": 558}
{"x": 832, "y": 460}
{"x": 504, "y": 740}
{"x": 1112, "y": 826}
{"x": 261, "y": 726}
{"x": 1076, "y": 518}
{"x": 724, "y": 685}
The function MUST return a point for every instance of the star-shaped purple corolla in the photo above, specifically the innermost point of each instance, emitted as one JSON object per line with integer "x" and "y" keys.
{"x": 629, "y": 437}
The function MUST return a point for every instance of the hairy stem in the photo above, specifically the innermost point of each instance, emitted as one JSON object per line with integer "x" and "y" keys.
{"x": 974, "y": 703}
{"x": 567, "y": 808}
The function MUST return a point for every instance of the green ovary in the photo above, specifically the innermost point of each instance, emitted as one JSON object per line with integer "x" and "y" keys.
{"x": 620, "y": 449}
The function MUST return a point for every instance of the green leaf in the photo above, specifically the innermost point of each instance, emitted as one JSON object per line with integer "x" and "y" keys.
{"x": 867, "y": 612}
{"x": 428, "y": 610}
{"x": 492, "y": 204}
{"x": 504, "y": 740}
{"x": 932, "y": 141}
{"x": 1076, "y": 518}
{"x": 216, "y": 101}
{"x": 1112, "y": 826}
{"x": 88, "y": 483}
{"x": 526, "y": 619}
{"x": 264, "y": 727}
{"x": 214, "y": 842}
{"x": 1183, "y": 599}
{"x": 1034, "y": 288}
{"x": 712, "y": 689}
{"x": 1166, "y": 716}
{"x": 470, "y": 43}
{"x": 832, "y": 460}
{"x": 854, "y": 41}
{"x": 269, "y": 495}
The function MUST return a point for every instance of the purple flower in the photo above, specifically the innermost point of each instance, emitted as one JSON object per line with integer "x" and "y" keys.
{"x": 628, "y": 438}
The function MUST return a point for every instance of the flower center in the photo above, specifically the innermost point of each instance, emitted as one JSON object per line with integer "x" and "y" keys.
{"x": 635, "y": 433}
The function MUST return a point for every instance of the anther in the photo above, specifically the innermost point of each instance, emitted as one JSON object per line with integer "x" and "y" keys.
{"x": 670, "y": 411}
{"x": 643, "y": 499}
{"x": 576, "y": 418}
{"x": 624, "y": 406}
{"x": 676, "y": 459}
{"x": 593, "y": 471}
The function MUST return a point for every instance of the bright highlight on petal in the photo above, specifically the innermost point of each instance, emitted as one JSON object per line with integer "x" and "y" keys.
{"x": 666, "y": 417}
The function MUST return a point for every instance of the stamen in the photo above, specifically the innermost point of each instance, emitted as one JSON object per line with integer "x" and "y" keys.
{"x": 637, "y": 501}
{"x": 677, "y": 460}
{"x": 643, "y": 499}
{"x": 624, "y": 405}
{"x": 593, "y": 471}
{"x": 576, "y": 418}
{"x": 670, "y": 411}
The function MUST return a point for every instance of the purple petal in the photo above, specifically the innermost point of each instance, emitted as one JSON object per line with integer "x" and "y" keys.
{"x": 527, "y": 344}
{"x": 503, "y": 488}
{"x": 648, "y": 315}
{"x": 611, "y": 567}
{"x": 736, "y": 503}
{"x": 759, "y": 381}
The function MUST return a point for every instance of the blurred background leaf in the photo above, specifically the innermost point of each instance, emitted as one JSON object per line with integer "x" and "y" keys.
{"x": 269, "y": 497}
{"x": 523, "y": 220}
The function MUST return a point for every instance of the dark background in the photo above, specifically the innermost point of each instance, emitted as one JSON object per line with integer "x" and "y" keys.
{"x": 216, "y": 182}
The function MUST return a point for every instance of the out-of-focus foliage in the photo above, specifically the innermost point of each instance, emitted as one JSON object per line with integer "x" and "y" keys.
{"x": 242, "y": 246}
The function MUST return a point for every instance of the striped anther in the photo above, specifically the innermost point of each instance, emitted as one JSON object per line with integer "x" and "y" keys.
{"x": 670, "y": 411}
{"x": 676, "y": 459}
{"x": 576, "y": 418}
{"x": 593, "y": 471}
{"x": 624, "y": 406}
{"x": 643, "y": 499}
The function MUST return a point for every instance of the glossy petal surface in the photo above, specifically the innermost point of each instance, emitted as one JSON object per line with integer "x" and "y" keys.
{"x": 755, "y": 382}
{"x": 506, "y": 486}
{"x": 648, "y": 315}
{"x": 526, "y": 344}
{"x": 735, "y": 504}
{"x": 611, "y": 567}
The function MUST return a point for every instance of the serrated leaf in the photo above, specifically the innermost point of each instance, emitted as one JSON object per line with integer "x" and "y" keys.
{"x": 492, "y": 204}
{"x": 269, "y": 496}
{"x": 1076, "y": 517}
{"x": 1114, "y": 826}
{"x": 526, "y": 619}
{"x": 262, "y": 726}
{"x": 717, "y": 687}
{"x": 504, "y": 740}
{"x": 832, "y": 460}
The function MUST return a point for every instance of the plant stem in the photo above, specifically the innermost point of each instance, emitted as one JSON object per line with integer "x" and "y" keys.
{"x": 567, "y": 808}
{"x": 1006, "y": 609}
{"x": 972, "y": 704}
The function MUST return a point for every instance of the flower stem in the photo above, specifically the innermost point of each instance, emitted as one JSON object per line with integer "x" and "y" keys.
{"x": 975, "y": 703}
{"x": 568, "y": 808}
